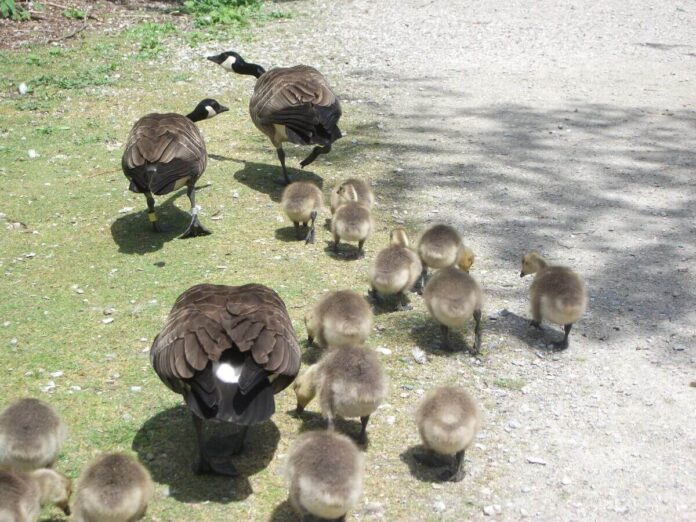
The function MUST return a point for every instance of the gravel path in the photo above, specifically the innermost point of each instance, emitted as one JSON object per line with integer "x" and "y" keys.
{"x": 566, "y": 127}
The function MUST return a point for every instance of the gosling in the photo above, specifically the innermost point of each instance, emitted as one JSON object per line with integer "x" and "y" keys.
{"x": 395, "y": 269}
{"x": 31, "y": 435}
{"x": 352, "y": 220}
{"x": 339, "y": 318}
{"x": 325, "y": 475}
{"x": 557, "y": 294}
{"x": 301, "y": 201}
{"x": 441, "y": 246}
{"x": 22, "y": 494}
{"x": 453, "y": 297}
{"x": 350, "y": 382}
{"x": 113, "y": 488}
{"x": 447, "y": 420}
{"x": 365, "y": 195}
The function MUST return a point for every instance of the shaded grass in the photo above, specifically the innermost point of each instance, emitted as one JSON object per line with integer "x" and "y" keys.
{"x": 83, "y": 253}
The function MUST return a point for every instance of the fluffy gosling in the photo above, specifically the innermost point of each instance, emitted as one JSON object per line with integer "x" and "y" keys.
{"x": 325, "y": 474}
{"x": 339, "y": 318}
{"x": 365, "y": 195}
{"x": 114, "y": 488}
{"x": 22, "y": 494}
{"x": 301, "y": 201}
{"x": 395, "y": 269}
{"x": 350, "y": 382}
{"x": 453, "y": 297}
{"x": 447, "y": 420}
{"x": 352, "y": 220}
{"x": 557, "y": 294}
{"x": 31, "y": 435}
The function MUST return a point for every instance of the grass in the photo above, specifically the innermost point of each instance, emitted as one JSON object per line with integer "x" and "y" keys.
{"x": 81, "y": 254}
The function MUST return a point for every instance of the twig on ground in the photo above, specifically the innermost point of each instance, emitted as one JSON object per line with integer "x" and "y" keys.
{"x": 70, "y": 35}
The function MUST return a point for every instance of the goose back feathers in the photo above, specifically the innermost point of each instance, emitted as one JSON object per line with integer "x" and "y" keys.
{"x": 300, "y": 100}
{"x": 163, "y": 153}
{"x": 227, "y": 350}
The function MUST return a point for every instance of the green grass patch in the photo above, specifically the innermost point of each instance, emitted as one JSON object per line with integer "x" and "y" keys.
{"x": 509, "y": 383}
{"x": 221, "y": 12}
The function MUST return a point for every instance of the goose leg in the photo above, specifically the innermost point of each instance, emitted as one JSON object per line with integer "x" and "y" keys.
{"x": 362, "y": 438}
{"x": 313, "y": 155}
{"x": 195, "y": 228}
{"x": 477, "y": 332}
{"x": 204, "y": 464}
{"x": 151, "y": 215}
{"x": 311, "y": 231}
{"x": 281, "y": 157}
{"x": 562, "y": 345}
{"x": 458, "y": 473}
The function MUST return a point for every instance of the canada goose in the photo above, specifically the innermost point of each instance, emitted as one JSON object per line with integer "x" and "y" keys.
{"x": 163, "y": 153}
{"x": 352, "y": 220}
{"x": 114, "y": 488}
{"x": 300, "y": 201}
{"x": 325, "y": 474}
{"x": 365, "y": 195}
{"x": 395, "y": 269}
{"x": 453, "y": 297}
{"x": 227, "y": 350}
{"x": 557, "y": 294}
{"x": 350, "y": 382}
{"x": 441, "y": 246}
{"x": 31, "y": 435}
{"x": 292, "y": 104}
{"x": 447, "y": 420}
{"x": 22, "y": 494}
{"x": 339, "y": 318}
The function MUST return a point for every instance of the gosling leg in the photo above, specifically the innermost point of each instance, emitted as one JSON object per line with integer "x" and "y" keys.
{"x": 361, "y": 252}
{"x": 477, "y": 332}
{"x": 562, "y": 345}
{"x": 362, "y": 438}
{"x": 445, "y": 337}
{"x": 311, "y": 232}
{"x": 458, "y": 473}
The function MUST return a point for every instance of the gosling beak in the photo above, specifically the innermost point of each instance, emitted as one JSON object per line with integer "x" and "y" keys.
{"x": 521, "y": 274}
{"x": 66, "y": 510}
{"x": 299, "y": 410}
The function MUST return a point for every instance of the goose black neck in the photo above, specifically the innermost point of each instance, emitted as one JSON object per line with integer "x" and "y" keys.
{"x": 197, "y": 115}
{"x": 251, "y": 69}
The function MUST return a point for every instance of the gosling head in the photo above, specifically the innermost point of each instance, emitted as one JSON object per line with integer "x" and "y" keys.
{"x": 531, "y": 263}
{"x": 398, "y": 237}
{"x": 305, "y": 388}
{"x": 55, "y": 488}
{"x": 465, "y": 258}
{"x": 347, "y": 192}
{"x": 207, "y": 109}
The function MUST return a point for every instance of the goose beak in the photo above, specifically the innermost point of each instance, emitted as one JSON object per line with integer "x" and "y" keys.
{"x": 216, "y": 59}
{"x": 223, "y": 109}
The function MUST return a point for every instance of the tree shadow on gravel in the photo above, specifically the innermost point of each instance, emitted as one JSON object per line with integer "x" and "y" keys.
{"x": 605, "y": 189}
{"x": 267, "y": 179}
{"x": 166, "y": 443}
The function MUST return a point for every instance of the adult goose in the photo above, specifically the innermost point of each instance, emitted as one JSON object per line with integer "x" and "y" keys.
{"x": 292, "y": 104}
{"x": 165, "y": 152}
{"x": 227, "y": 350}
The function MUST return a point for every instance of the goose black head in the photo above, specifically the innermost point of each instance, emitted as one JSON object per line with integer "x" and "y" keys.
{"x": 207, "y": 108}
{"x": 232, "y": 61}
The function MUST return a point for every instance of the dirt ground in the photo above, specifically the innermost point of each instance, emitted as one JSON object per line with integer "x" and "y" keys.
{"x": 563, "y": 127}
{"x": 566, "y": 128}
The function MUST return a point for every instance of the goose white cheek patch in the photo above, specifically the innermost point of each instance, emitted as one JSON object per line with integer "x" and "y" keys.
{"x": 211, "y": 111}
{"x": 229, "y": 62}
{"x": 226, "y": 372}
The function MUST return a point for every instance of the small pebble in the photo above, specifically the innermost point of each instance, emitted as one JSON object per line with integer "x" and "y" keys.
{"x": 565, "y": 481}
{"x": 108, "y": 320}
{"x": 439, "y": 506}
{"x": 23, "y": 89}
{"x": 489, "y": 511}
{"x": 32, "y": 154}
{"x": 419, "y": 356}
{"x": 57, "y": 374}
{"x": 384, "y": 351}
{"x": 536, "y": 460}
{"x": 136, "y": 388}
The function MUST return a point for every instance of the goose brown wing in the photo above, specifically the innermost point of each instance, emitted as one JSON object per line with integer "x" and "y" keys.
{"x": 299, "y": 98}
{"x": 171, "y": 143}
{"x": 206, "y": 320}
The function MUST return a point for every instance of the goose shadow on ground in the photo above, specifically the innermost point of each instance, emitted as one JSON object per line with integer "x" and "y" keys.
{"x": 387, "y": 304}
{"x": 429, "y": 337}
{"x": 134, "y": 235}
{"x": 166, "y": 444}
{"x": 284, "y": 513}
{"x": 511, "y": 324}
{"x": 313, "y": 421}
{"x": 421, "y": 471}
{"x": 287, "y": 235}
{"x": 346, "y": 251}
{"x": 268, "y": 179}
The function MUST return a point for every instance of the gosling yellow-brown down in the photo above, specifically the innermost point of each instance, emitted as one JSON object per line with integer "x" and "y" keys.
{"x": 395, "y": 269}
{"x": 325, "y": 474}
{"x": 301, "y": 201}
{"x": 339, "y": 318}
{"x": 22, "y": 494}
{"x": 557, "y": 294}
{"x": 453, "y": 297}
{"x": 352, "y": 220}
{"x": 31, "y": 435}
{"x": 448, "y": 420}
{"x": 350, "y": 382}
{"x": 113, "y": 488}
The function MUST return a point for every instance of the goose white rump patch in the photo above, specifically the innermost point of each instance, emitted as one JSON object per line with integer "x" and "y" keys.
{"x": 226, "y": 372}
